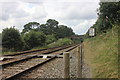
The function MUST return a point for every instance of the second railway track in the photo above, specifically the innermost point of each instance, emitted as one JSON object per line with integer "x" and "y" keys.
{"x": 11, "y": 70}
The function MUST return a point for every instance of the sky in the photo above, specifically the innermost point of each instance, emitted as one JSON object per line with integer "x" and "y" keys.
{"x": 80, "y": 15}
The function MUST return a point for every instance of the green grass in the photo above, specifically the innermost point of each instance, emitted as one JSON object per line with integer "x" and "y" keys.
{"x": 101, "y": 52}
{"x": 6, "y": 52}
{"x": 10, "y": 52}
{"x": 61, "y": 42}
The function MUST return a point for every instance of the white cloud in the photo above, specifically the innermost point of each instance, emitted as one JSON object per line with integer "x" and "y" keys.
{"x": 19, "y": 13}
{"x": 80, "y": 11}
{"x": 84, "y": 10}
{"x": 83, "y": 26}
{"x": 77, "y": 14}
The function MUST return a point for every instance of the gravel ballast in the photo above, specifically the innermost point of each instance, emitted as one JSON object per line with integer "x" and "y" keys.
{"x": 54, "y": 68}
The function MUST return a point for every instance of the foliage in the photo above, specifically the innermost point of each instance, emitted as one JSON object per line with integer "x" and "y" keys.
{"x": 108, "y": 15}
{"x": 35, "y": 35}
{"x": 30, "y": 26}
{"x": 49, "y": 27}
{"x": 64, "y": 31}
{"x": 109, "y": 12}
{"x": 34, "y": 39}
{"x": 11, "y": 39}
{"x": 61, "y": 42}
{"x": 52, "y": 27}
{"x": 50, "y": 39}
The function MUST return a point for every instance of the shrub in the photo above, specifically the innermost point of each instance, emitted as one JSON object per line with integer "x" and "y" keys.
{"x": 34, "y": 39}
{"x": 11, "y": 39}
{"x": 61, "y": 42}
{"x": 50, "y": 39}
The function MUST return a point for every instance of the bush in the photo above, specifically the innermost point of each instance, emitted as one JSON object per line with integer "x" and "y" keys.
{"x": 11, "y": 39}
{"x": 65, "y": 41}
{"x": 34, "y": 39}
{"x": 50, "y": 39}
{"x": 61, "y": 42}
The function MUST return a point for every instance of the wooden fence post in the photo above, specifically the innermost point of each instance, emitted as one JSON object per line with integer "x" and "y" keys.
{"x": 66, "y": 64}
{"x": 79, "y": 56}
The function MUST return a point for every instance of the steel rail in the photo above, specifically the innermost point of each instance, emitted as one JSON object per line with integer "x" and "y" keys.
{"x": 40, "y": 64}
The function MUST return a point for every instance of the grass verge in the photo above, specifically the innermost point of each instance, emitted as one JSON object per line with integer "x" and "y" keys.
{"x": 101, "y": 53}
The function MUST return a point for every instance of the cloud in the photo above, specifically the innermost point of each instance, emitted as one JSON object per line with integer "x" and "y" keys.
{"x": 38, "y": 12}
{"x": 79, "y": 12}
{"x": 19, "y": 13}
{"x": 73, "y": 13}
{"x": 13, "y": 9}
{"x": 83, "y": 26}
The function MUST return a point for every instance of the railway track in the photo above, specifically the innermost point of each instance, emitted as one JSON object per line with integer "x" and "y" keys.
{"x": 31, "y": 51}
{"x": 13, "y": 69}
{"x": 22, "y": 56}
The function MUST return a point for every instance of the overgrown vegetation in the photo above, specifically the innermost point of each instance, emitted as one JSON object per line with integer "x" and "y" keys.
{"x": 34, "y": 39}
{"x": 11, "y": 39}
{"x": 101, "y": 52}
{"x": 61, "y": 42}
{"x": 35, "y": 35}
{"x": 50, "y": 39}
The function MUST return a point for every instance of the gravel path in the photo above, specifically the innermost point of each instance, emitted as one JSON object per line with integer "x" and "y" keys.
{"x": 86, "y": 71}
{"x": 54, "y": 69}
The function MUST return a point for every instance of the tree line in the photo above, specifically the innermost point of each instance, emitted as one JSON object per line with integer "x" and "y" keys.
{"x": 34, "y": 34}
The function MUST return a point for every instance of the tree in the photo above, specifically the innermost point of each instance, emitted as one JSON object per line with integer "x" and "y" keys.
{"x": 52, "y": 23}
{"x": 110, "y": 11}
{"x": 11, "y": 39}
{"x": 64, "y": 31}
{"x": 108, "y": 15}
{"x": 50, "y": 27}
{"x": 31, "y": 26}
{"x": 44, "y": 29}
{"x": 34, "y": 39}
